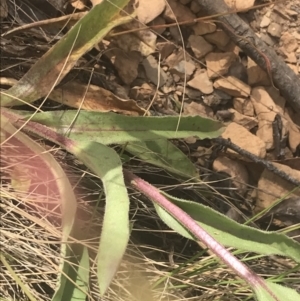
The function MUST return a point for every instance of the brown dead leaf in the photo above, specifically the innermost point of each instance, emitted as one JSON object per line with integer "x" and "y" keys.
{"x": 94, "y": 99}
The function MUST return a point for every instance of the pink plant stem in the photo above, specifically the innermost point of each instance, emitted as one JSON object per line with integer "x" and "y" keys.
{"x": 198, "y": 232}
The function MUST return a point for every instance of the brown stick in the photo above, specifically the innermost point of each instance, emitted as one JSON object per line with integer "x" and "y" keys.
{"x": 284, "y": 77}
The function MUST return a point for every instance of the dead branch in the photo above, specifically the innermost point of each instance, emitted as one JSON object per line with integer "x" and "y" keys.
{"x": 284, "y": 77}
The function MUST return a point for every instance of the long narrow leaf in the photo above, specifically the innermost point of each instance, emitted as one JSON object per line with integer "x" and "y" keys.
{"x": 105, "y": 162}
{"x": 231, "y": 233}
{"x": 108, "y": 128}
{"x": 51, "y": 68}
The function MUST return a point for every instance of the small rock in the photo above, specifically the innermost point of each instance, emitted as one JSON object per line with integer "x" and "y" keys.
{"x": 265, "y": 21}
{"x": 146, "y": 13}
{"x": 289, "y": 57}
{"x": 143, "y": 42}
{"x": 277, "y": 98}
{"x": 202, "y": 83}
{"x": 176, "y": 35}
{"x": 165, "y": 49}
{"x": 211, "y": 100}
{"x": 223, "y": 95}
{"x": 218, "y": 97}
{"x": 269, "y": 182}
{"x": 145, "y": 92}
{"x": 224, "y": 115}
{"x": 158, "y": 21}
{"x": 277, "y": 18}
{"x": 246, "y": 121}
{"x": 199, "y": 46}
{"x": 245, "y": 140}
{"x": 151, "y": 66}
{"x": 192, "y": 93}
{"x": 296, "y": 35}
{"x": 190, "y": 140}
{"x": 243, "y": 106}
{"x": 218, "y": 38}
{"x": 232, "y": 86}
{"x": 197, "y": 109}
{"x": 239, "y": 71}
{"x": 240, "y": 4}
{"x": 291, "y": 12}
{"x": 236, "y": 170}
{"x": 256, "y": 76}
{"x": 218, "y": 63}
{"x": 266, "y": 110}
{"x": 281, "y": 12}
{"x": 127, "y": 65}
{"x": 180, "y": 64}
{"x": 177, "y": 12}
{"x": 195, "y": 7}
{"x": 267, "y": 39}
{"x": 176, "y": 78}
{"x": 201, "y": 28}
{"x": 289, "y": 42}
{"x": 274, "y": 29}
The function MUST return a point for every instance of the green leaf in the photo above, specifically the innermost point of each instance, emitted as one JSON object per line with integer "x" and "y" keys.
{"x": 75, "y": 281}
{"x": 108, "y": 128}
{"x": 165, "y": 154}
{"x": 105, "y": 163}
{"x": 282, "y": 293}
{"x": 230, "y": 233}
{"x": 51, "y": 68}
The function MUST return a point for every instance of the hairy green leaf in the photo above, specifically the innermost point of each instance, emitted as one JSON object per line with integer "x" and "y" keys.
{"x": 230, "y": 233}
{"x": 105, "y": 163}
{"x": 282, "y": 293}
{"x": 108, "y": 128}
